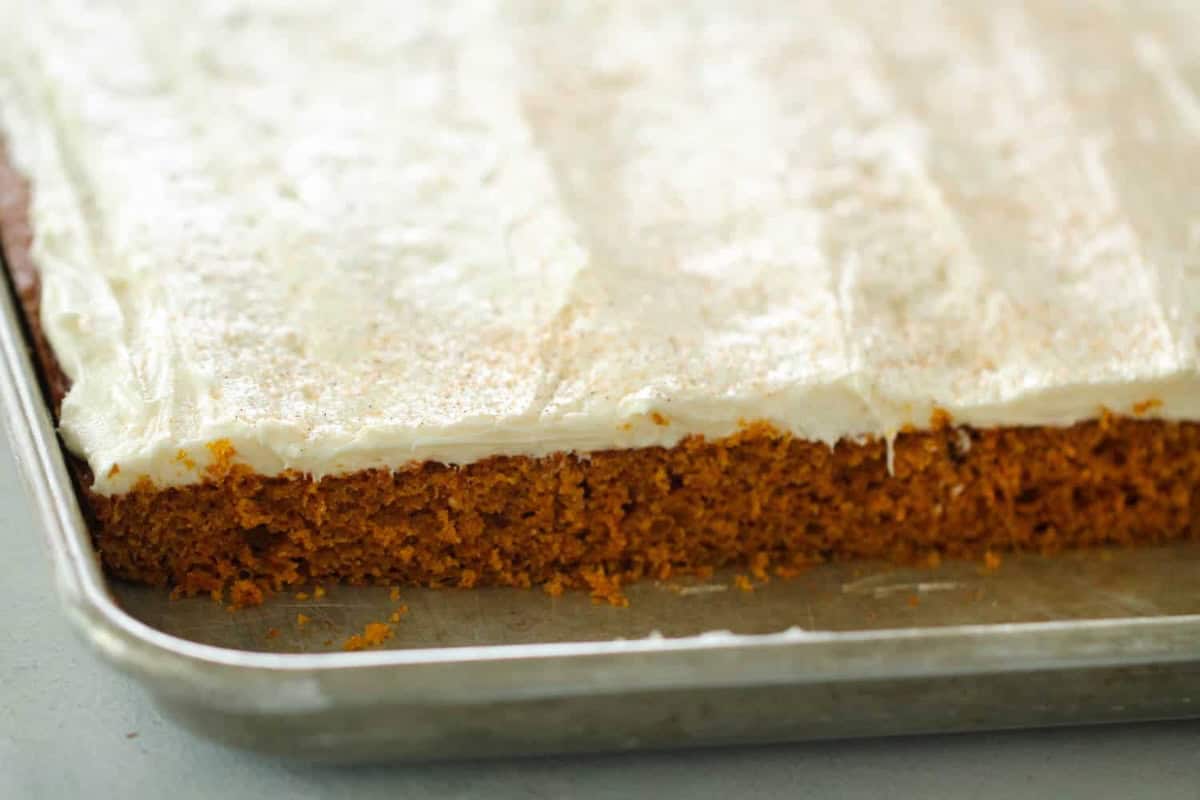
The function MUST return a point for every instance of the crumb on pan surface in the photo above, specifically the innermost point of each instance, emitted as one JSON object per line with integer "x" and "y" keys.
{"x": 373, "y": 635}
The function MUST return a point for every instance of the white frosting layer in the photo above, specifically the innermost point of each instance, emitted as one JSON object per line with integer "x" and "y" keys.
{"x": 358, "y": 235}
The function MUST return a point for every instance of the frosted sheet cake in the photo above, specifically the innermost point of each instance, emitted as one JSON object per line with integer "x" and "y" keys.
{"x": 485, "y": 293}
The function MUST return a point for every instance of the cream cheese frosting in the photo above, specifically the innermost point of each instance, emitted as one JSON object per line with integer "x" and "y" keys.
{"x": 349, "y": 236}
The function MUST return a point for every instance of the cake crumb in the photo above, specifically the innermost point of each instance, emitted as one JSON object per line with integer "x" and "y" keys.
{"x": 375, "y": 633}
{"x": 319, "y": 591}
{"x": 605, "y": 588}
{"x": 659, "y": 419}
{"x": 933, "y": 560}
{"x": 398, "y": 614}
{"x": 940, "y": 419}
{"x": 301, "y": 595}
{"x": 991, "y": 561}
{"x": 758, "y": 567}
{"x": 245, "y": 593}
{"x": 914, "y": 600}
{"x": 744, "y": 583}
{"x": 115, "y": 469}
{"x": 272, "y": 633}
{"x": 554, "y": 587}
{"x": 394, "y": 594}
{"x": 223, "y": 453}
{"x": 302, "y": 620}
{"x": 796, "y": 565}
{"x": 183, "y": 458}
{"x": 1146, "y": 406}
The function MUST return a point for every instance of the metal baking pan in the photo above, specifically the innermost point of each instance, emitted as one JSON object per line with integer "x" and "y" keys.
{"x": 842, "y": 650}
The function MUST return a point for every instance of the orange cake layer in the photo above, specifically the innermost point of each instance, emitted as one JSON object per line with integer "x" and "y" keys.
{"x": 758, "y": 498}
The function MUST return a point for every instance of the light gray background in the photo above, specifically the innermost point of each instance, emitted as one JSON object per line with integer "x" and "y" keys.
{"x": 70, "y": 727}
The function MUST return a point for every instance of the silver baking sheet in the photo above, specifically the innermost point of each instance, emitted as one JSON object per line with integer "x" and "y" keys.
{"x": 841, "y": 650}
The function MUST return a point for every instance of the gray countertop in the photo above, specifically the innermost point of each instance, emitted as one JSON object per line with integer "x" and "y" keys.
{"x": 70, "y": 726}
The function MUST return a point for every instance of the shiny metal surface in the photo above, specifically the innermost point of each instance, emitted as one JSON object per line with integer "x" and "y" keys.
{"x": 842, "y": 650}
